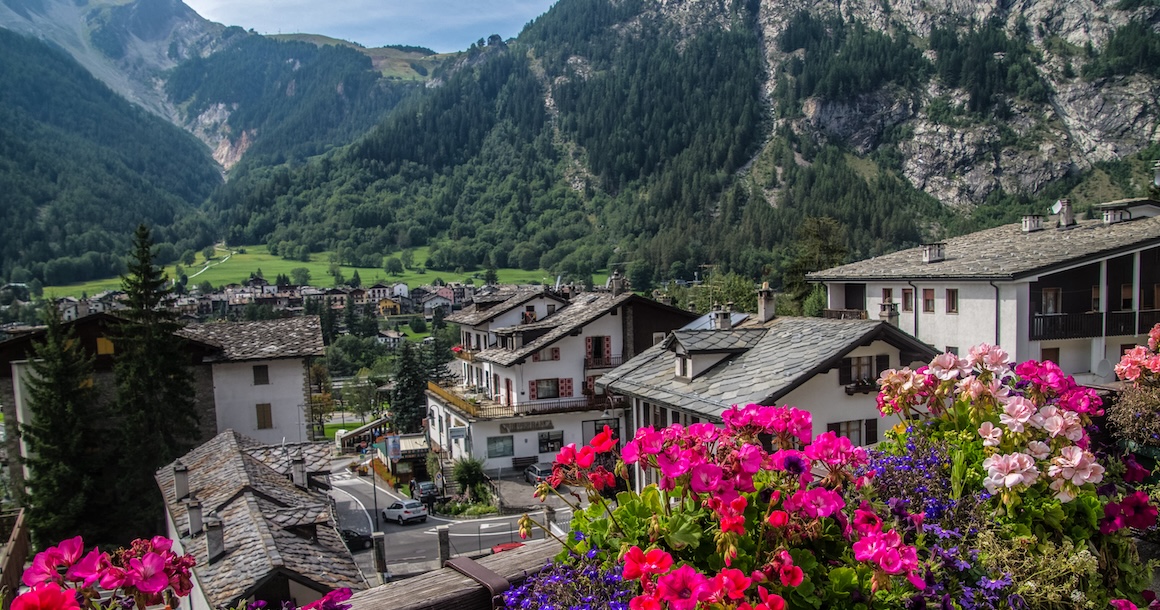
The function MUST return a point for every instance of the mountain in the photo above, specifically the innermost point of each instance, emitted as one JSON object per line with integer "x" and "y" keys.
{"x": 80, "y": 167}
{"x": 665, "y": 136}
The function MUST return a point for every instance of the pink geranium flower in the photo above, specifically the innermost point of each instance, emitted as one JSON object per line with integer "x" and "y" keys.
{"x": 147, "y": 574}
{"x": 705, "y": 478}
{"x": 1009, "y": 471}
{"x": 47, "y": 596}
{"x": 992, "y": 436}
{"x": 638, "y": 563}
{"x": 683, "y": 588}
{"x": 1017, "y": 413}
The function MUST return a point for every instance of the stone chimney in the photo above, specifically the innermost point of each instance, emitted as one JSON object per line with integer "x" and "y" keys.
{"x": 193, "y": 507}
{"x": 722, "y": 319}
{"x": 888, "y": 312}
{"x": 1032, "y": 223}
{"x": 935, "y": 252}
{"x": 617, "y": 282}
{"x": 215, "y": 540}
{"x": 691, "y": 306}
{"x": 766, "y": 303}
{"x": 298, "y": 469}
{"x": 1111, "y": 217}
{"x": 1066, "y": 214}
{"x": 180, "y": 480}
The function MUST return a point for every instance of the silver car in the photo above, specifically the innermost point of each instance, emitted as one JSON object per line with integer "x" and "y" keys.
{"x": 405, "y": 512}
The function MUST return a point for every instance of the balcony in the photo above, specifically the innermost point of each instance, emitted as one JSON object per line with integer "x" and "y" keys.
{"x": 1121, "y": 323}
{"x": 480, "y": 407}
{"x": 603, "y": 363}
{"x": 1148, "y": 319}
{"x": 844, "y": 314}
{"x": 1066, "y": 326}
{"x": 463, "y": 354}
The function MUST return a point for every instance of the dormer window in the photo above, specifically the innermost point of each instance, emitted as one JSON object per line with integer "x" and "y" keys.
{"x": 683, "y": 366}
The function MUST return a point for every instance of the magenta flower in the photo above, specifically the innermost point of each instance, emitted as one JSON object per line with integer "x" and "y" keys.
{"x": 673, "y": 463}
{"x": 88, "y": 570}
{"x": 705, "y": 478}
{"x": 147, "y": 574}
{"x": 683, "y": 588}
{"x": 749, "y": 458}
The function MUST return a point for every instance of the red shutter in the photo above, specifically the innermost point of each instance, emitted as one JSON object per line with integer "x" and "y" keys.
{"x": 535, "y": 356}
{"x": 588, "y": 348}
{"x": 608, "y": 350}
{"x": 555, "y": 353}
{"x": 531, "y": 390}
{"x": 565, "y": 387}
{"x": 590, "y": 383}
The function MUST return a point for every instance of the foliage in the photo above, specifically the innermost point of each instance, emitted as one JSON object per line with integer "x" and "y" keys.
{"x": 582, "y": 583}
{"x": 360, "y": 395}
{"x": 988, "y": 65}
{"x": 1135, "y": 414}
{"x": 467, "y": 505}
{"x": 820, "y": 244}
{"x": 80, "y": 167}
{"x": 154, "y": 409}
{"x": 468, "y": 473}
{"x": 809, "y": 524}
{"x": 1133, "y": 47}
{"x": 418, "y": 325}
{"x": 64, "y": 473}
{"x": 407, "y": 397}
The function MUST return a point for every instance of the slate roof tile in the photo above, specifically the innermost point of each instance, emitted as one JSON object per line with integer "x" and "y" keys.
{"x": 581, "y": 310}
{"x": 295, "y": 337}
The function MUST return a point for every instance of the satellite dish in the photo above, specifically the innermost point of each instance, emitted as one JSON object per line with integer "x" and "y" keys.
{"x": 1104, "y": 370}
{"x": 1056, "y": 208}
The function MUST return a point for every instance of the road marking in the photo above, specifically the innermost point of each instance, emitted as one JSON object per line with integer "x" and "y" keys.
{"x": 370, "y": 524}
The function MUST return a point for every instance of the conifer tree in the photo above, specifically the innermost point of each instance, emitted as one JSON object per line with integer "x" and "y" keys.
{"x": 63, "y": 472}
{"x": 155, "y": 408}
{"x": 408, "y": 404}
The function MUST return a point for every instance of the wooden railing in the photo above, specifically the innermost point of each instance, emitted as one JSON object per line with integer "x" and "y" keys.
{"x": 603, "y": 363}
{"x": 844, "y": 314}
{"x": 1066, "y": 326}
{"x": 446, "y": 588}
{"x": 1121, "y": 323}
{"x": 1148, "y": 319}
{"x": 13, "y": 555}
{"x": 450, "y": 398}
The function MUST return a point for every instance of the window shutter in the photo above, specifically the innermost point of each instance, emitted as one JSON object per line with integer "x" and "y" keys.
{"x": 881, "y": 363}
{"x": 588, "y": 348}
{"x": 535, "y": 356}
{"x": 607, "y": 350}
{"x": 590, "y": 382}
{"x": 835, "y": 428}
{"x": 531, "y": 390}
{"x": 846, "y": 372}
{"x": 565, "y": 387}
{"x": 555, "y": 353}
{"x": 871, "y": 431}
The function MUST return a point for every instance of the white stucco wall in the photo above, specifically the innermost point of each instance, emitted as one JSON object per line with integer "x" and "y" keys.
{"x": 236, "y": 398}
{"x": 527, "y": 444}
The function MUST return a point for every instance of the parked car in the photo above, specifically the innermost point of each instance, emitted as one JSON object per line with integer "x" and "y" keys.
{"x": 427, "y": 490}
{"x": 356, "y": 540}
{"x": 406, "y": 511}
{"x": 536, "y": 473}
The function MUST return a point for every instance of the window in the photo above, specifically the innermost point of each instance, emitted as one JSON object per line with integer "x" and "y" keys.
{"x": 907, "y": 299}
{"x": 548, "y": 353}
{"x": 1049, "y": 353}
{"x": 547, "y": 388}
{"x": 657, "y": 338}
{"x": 261, "y": 374}
{"x": 1125, "y": 297}
{"x": 1052, "y": 300}
{"x": 862, "y": 367}
{"x": 551, "y": 442}
{"x": 887, "y": 295}
{"x": 500, "y": 446}
{"x": 850, "y": 429}
{"x": 682, "y": 365}
{"x": 645, "y": 412}
{"x": 952, "y": 349}
{"x": 1095, "y": 298}
{"x": 863, "y": 370}
{"x": 104, "y": 346}
{"x": 592, "y": 427}
{"x": 952, "y": 300}
{"x": 928, "y": 300}
{"x": 551, "y": 308}
{"x": 265, "y": 417}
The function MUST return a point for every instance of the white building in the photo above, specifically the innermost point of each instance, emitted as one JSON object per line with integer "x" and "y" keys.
{"x": 261, "y": 376}
{"x": 1076, "y": 294}
{"x": 828, "y": 367}
{"x": 529, "y": 364}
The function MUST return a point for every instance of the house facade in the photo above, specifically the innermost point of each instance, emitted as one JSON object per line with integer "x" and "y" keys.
{"x": 1076, "y": 292}
{"x": 529, "y": 364}
{"x": 828, "y": 367}
{"x": 261, "y": 379}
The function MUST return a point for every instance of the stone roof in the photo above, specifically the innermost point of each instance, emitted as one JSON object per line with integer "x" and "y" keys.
{"x": 788, "y": 352}
{"x": 706, "y": 340}
{"x": 264, "y": 516}
{"x": 580, "y": 311}
{"x": 1005, "y": 253}
{"x": 295, "y": 337}
{"x": 487, "y": 304}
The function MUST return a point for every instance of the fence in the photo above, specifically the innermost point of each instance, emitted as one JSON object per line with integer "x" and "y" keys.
{"x": 13, "y": 555}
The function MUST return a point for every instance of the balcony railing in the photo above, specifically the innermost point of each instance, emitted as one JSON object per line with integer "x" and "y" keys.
{"x": 844, "y": 314}
{"x": 464, "y": 354}
{"x": 1121, "y": 323}
{"x": 1066, "y": 326}
{"x": 454, "y": 400}
{"x": 603, "y": 363}
{"x": 484, "y": 408}
{"x": 1148, "y": 319}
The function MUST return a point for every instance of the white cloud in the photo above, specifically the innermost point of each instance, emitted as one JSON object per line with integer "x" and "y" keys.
{"x": 443, "y": 25}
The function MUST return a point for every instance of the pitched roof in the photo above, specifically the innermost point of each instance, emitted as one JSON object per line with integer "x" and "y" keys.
{"x": 580, "y": 310}
{"x": 231, "y": 475}
{"x": 295, "y": 337}
{"x": 787, "y": 353}
{"x": 706, "y": 340}
{"x": 487, "y": 304}
{"x": 1005, "y": 253}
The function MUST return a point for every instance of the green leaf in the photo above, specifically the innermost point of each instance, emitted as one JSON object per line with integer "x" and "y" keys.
{"x": 683, "y": 532}
{"x": 843, "y": 581}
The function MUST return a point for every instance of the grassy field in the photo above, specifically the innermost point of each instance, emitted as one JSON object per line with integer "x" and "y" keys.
{"x": 235, "y": 267}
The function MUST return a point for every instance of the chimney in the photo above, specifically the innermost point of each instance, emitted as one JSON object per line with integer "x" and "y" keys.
{"x": 722, "y": 319}
{"x": 934, "y": 252}
{"x": 1066, "y": 214}
{"x": 691, "y": 306}
{"x": 1156, "y": 173}
{"x": 298, "y": 469}
{"x": 1032, "y": 223}
{"x": 180, "y": 480}
{"x": 766, "y": 303}
{"x": 888, "y": 312}
{"x": 193, "y": 506}
{"x": 665, "y": 300}
{"x": 215, "y": 541}
{"x": 1113, "y": 216}
{"x": 617, "y": 283}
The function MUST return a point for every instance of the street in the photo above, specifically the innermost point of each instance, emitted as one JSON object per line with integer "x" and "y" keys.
{"x": 411, "y": 546}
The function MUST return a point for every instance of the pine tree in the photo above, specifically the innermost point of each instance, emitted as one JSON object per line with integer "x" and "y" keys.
{"x": 155, "y": 409}
{"x": 408, "y": 404}
{"x": 63, "y": 472}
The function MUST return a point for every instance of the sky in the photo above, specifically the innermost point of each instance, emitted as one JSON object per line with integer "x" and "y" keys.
{"x": 441, "y": 25}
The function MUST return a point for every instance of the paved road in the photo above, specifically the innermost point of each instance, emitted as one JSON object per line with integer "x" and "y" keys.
{"x": 414, "y": 547}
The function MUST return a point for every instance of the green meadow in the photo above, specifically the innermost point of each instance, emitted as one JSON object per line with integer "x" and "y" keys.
{"x": 235, "y": 265}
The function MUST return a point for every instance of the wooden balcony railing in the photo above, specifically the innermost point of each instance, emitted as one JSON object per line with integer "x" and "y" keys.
{"x": 844, "y": 314}
{"x": 1121, "y": 323}
{"x": 451, "y": 399}
{"x": 603, "y": 363}
{"x": 464, "y": 354}
{"x": 1148, "y": 319}
{"x": 1066, "y": 325}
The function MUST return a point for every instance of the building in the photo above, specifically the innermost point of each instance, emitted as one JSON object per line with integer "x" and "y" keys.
{"x": 1077, "y": 292}
{"x": 529, "y": 364}
{"x": 826, "y": 366}
{"x": 261, "y": 374}
{"x": 252, "y": 516}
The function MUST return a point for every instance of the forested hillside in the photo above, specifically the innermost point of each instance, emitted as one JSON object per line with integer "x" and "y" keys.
{"x": 80, "y": 167}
